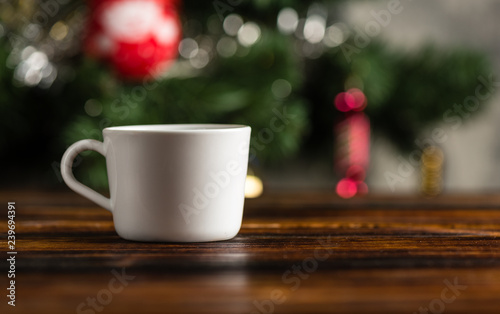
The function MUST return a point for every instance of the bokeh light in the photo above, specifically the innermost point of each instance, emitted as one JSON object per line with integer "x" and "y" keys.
{"x": 32, "y": 31}
{"x": 59, "y": 31}
{"x": 431, "y": 168}
{"x": 35, "y": 69}
{"x": 188, "y": 48}
{"x": 226, "y": 47}
{"x": 288, "y": 19}
{"x": 340, "y": 102}
{"x": 356, "y": 99}
{"x": 281, "y": 88}
{"x": 232, "y": 24}
{"x": 314, "y": 29}
{"x": 253, "y": 187}
{"x": 93, "y": 107}
{"x": 362, "y": 188}
{"x": 200, "y": 60}
{"x": 249, "y": 34}
{"x": 352, "y": 100}
{"x": 347, "y": 188}
{"x": 335, "y": 35}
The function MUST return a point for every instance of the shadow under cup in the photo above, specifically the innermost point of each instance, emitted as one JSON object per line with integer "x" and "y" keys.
{"x": 179, "y": 183}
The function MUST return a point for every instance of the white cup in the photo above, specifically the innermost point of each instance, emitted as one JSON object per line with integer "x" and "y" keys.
{"x": 172, "y": 183}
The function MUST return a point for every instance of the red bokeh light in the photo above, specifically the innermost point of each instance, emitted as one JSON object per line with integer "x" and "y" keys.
{"x": 347, "y": 188}
{"x": 340, "y": 102}
{"x": 362, "y": 188}
{"x": 358, "y": 102}
{"x": 352, "y": 100}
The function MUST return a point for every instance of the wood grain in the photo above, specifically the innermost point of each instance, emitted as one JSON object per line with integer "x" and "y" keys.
{"x": 318, "y": 253}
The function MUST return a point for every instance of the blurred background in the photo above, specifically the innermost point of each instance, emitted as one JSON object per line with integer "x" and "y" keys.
{"x": 348, "y": 96}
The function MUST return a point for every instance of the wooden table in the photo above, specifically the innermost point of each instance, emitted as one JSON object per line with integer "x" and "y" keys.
{"x": 296, "y": 253}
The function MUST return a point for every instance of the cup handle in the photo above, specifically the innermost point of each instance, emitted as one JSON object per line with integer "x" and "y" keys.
{"x": 69, "y": 178}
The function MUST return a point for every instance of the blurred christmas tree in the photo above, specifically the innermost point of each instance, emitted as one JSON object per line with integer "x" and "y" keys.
{"x": 245, "y": 62}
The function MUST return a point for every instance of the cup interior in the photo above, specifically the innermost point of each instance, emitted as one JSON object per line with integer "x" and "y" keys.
{"x": 177, "y": 127}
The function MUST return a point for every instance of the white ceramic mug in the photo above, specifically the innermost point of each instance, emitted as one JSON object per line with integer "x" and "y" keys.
{"x": 175, "y": 183}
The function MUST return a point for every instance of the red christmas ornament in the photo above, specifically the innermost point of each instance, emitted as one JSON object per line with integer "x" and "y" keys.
{"x": 138, "y": 37}
{"x": 352, "y": 134}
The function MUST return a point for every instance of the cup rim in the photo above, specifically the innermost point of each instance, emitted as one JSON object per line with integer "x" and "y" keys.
{"x": 177, "y": 128}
